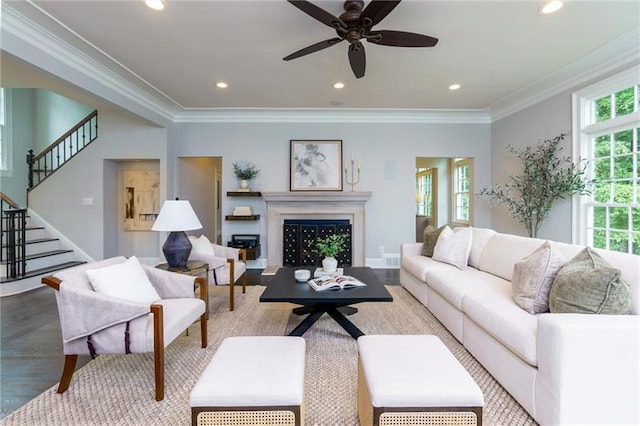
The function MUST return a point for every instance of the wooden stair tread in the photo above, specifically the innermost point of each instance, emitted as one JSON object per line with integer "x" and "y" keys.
{"x": 45, "y": 254}
{"x": 46, "y": 270}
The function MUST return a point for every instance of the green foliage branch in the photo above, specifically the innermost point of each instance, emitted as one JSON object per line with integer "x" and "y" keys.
{"x": 248, "y": 173}
{"x": 332, "y": 245}
{"x": 546, "y": 177}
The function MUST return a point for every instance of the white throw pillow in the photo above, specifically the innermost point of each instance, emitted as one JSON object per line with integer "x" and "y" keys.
{"x": 126, "y": 280}
{"x": 453, "y": 247}
{"x": 201, "y": 244}
{"x": 533, "y": 277}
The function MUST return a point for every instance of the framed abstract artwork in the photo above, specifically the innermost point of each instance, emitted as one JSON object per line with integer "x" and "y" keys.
{"x": 141, "y": 199}
{"x": 316, "y": 165}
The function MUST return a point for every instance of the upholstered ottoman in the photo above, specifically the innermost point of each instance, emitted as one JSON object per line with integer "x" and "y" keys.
{"x": 414, "y": 380}
{"x": 252, "y": 381}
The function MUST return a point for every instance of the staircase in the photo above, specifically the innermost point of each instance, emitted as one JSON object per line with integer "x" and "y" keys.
{"x": 43, "y": 255}
{"x": 28, "y": 251}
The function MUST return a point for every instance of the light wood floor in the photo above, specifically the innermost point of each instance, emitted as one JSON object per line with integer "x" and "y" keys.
{"x": 31, "y": 344}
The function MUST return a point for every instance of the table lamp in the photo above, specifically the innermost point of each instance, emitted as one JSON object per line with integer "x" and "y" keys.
{"x": 176, "y": 216}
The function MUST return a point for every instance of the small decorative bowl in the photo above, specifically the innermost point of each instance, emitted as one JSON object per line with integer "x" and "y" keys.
{"x": 302, "y": 274}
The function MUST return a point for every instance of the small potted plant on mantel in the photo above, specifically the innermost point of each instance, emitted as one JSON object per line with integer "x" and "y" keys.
{"x": 245, "y": 175}
{"x": 330, "y": 246}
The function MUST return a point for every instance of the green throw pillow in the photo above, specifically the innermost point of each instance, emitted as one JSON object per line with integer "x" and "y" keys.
{"x": 588, "y": 284}
{"x": 429, "y": 239}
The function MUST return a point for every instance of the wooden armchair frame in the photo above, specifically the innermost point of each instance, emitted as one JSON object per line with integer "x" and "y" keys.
{"x": 158, "y": 338}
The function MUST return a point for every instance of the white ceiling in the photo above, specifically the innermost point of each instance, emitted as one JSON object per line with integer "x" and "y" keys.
{"x": 492, "y": 48}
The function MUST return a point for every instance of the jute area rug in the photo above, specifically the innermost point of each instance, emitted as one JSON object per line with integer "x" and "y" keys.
{"x": 119, "y": 389}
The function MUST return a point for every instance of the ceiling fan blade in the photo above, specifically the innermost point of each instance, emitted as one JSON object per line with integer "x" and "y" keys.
{"x": 357, "y": 59}
{"x": 376, "y": 11}
{"x": 400, "y": 38}
{"x": 313, "y": 48}
{"x": 319, "y": 14}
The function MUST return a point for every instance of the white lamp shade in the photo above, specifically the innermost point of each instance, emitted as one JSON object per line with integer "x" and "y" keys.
{"x": 176, "y": 215}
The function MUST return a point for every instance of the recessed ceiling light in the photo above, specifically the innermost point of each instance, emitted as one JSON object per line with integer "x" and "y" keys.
{"x": 155, "y": 4}
{"x": 338, "y": 85}
{"x": 455, "y": 86}
{"x": 222, "y": 85}
{"x": 551, "y": 7}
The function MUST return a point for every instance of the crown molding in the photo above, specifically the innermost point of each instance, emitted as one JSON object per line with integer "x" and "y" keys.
{"x": 338, "y": 115}
{"x": 621, "y": 53}
{"x": 43, "y": 44}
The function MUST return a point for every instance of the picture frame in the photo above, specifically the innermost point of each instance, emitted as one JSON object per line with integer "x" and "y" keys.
{"x": 315, "y": 165}
{"x": 141, "y": 199}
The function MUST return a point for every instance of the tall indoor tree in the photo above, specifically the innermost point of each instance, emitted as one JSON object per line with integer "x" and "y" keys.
{"x": 546, "y": 177}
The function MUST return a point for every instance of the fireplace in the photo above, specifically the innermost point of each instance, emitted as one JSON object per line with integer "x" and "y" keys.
{"x": 299, "y": 237}
{"x": 314, "y": 205}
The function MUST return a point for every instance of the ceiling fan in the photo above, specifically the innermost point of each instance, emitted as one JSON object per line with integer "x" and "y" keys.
{"x": 355, "y": 24}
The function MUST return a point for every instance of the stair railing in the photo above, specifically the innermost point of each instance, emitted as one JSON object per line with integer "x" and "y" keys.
{"x": 64, "y": 148}
{"x": 13, "y": 226}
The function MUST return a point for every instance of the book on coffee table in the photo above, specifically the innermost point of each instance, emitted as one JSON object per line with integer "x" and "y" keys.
{"x": 335, "y": 282}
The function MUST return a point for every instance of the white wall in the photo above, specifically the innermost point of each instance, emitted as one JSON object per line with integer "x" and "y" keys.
{"x": 387, "y": 153}
{"x": 93, "y": 174}
{"x": 54, "y": 115}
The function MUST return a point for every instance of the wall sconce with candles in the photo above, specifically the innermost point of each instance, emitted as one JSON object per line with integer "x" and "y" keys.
{"x": 176, "y": 216}
{"x": 355, "y": 172}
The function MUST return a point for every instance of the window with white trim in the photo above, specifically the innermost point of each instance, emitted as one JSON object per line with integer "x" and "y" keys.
{"x": 424, "y": 192}
{"x": 608, "y": 133}
{"x": 462, "y": 190}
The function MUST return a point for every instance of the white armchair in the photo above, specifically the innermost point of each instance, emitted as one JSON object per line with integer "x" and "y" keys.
{"x": 97, "y": 322}
{"x": 224, "y": 263}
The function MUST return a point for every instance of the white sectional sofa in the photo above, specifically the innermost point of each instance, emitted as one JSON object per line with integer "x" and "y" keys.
{"x": 562, "y": 368}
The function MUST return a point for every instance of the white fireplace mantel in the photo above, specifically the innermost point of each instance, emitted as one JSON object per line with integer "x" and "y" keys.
{"x": 314, "y": 205}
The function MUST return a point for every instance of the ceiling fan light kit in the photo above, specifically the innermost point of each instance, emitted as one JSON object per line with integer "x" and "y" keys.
{"x": 356, "y": 24}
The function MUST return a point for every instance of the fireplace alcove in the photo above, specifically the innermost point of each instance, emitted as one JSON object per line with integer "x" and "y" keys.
{"x": 299, "y": 238}
{"x": 315, "y": 205}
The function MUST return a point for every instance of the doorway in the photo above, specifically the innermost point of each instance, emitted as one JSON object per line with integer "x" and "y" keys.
{"x": 444, "y": 192}
{"x": 200, "y": 181}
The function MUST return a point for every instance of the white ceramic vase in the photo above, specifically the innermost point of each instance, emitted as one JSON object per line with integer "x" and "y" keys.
{"x": 329, "y": 264}
{"x": 244, "y": 184}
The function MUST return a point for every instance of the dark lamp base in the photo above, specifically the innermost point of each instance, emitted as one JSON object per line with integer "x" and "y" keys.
{"x": 177, "y": 249}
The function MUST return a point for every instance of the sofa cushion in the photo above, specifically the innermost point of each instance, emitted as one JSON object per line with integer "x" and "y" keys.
{"x": 533, "y": 276}
{"x": 453, "y": 247}
{"x": 588, "y": 284}
{"x": 496, "y": 313}
{"x": 479, "y": 240}
{"x": 126, "y": 280}
{"x": 503, "y": 251}
{"x": 419, "y": 266}
{"x": 452, "y": 283}
{"x": 429, "y": 239}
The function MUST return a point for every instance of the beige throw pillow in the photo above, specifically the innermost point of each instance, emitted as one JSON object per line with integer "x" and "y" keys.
{"x": 201, "y": 244}
{"x": 533, "y": 276}
{"x": 429, "y": 239}
{"x": 126, "y": 280}
{"x": 453, "y": 247}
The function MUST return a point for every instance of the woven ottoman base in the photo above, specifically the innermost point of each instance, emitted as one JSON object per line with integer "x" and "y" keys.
{"x": 247, "y": 416}
{"x": 251, "y": 381}
{"x": 392, "y": 354}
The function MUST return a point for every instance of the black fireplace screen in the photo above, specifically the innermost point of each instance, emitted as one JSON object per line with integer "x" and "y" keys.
{"x": 299, "y": 239}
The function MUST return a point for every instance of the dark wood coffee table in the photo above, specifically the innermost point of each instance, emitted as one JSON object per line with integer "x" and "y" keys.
{"x": 284, "y": 288}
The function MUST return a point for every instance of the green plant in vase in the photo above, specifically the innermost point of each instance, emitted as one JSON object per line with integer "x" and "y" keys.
{"x": 245, "y": 174}
{"x": 330, "y": 246}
